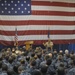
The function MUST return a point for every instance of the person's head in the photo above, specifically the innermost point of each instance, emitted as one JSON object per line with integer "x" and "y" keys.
{"x": 6, "y": 57}
{"x": 10, "y": 60}
{"x": 20, "y": 69}
{"x": 35, "y": 57}
{"x": 68, "y": 55}
{"x": 61, "y": 52}
{"x": 22, "y": 61}
{"x": 66, "y": 51}
{"x": 0, "y": 58}
{"x": 0, "y": 64}
{"x": 39, "y": 55}
{"x": 13, "y": 50}
{"x": 49, "y": 61}
{"x": 72, "y": 52}
{"x": 33, "y": 54}
{"x": 15, "y": 68}
{"x": 71, "y": 63}
{"x": 74, "y": 62}
{"x": 37, "y": 48}
{"x": 55, "y": 52}
{"x": 49, "y": 40}
{"x": 61, "y": 71}
{"x": 13, "y": 56}
{"x": 9, "y": 49}
{"x": 43, "y": 51}
{"x": 27, "y": 58}
{"x": 33, "y": 63}
{"x": 44, "y": 68}
{"x": 36, "y": 72}
{"x": 50, "y": 55}
{"x": 24, "y": 47}
{"x": 60, "y": 57}
{"x": 61, "y": 64}
{"x": 25, "y": 53}
{"x": 47, "y": 57}
{"x": 10, "y": 72}
{"x": 4, "y": 67}
{"x": 72, "y": 56}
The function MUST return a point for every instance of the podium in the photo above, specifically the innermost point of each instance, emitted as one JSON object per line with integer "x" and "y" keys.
{"x": 28, "y": 44}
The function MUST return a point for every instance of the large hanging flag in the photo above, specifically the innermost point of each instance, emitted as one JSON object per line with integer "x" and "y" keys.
{"x": 33, "y": 17}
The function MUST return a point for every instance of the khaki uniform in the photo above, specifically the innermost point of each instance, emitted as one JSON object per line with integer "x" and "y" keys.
{"x": 49, "y": 45}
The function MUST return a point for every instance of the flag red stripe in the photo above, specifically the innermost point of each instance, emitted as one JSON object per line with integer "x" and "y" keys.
{"x": 48, "y": 3}
{"x": 56, "y": 13}
{"x": 38, "y": 32}
{"x": 37, "y": 43}
{"x": 38, "y": 22}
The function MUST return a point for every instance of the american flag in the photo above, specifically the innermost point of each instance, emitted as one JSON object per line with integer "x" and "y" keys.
{"x": 33, "y": 18}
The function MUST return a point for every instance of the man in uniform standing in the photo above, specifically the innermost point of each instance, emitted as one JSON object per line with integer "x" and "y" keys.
{"x": 49, "y": 45}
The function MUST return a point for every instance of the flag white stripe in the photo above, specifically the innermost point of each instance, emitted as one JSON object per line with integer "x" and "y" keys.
{"x": 37, "y": 27}
{"x": 38, "y": 17}
{"x": 38, "y": 37}
{"x": 67, "y": 1}
{"x": 53, "y": 8}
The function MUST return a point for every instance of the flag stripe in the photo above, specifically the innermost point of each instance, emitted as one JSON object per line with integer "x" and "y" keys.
{"x": 48, "y": 3}
{"x": 42, "y": 17}
{"x": 53, "y": 8}
{"x": 39, "y": 32}
{"x": 56, "y": 13}
{"x": 67, "y": 1}
{"x": 34, "y": 22}
{"x": 39, "y": 37}
{"x": 38, "y": 27}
